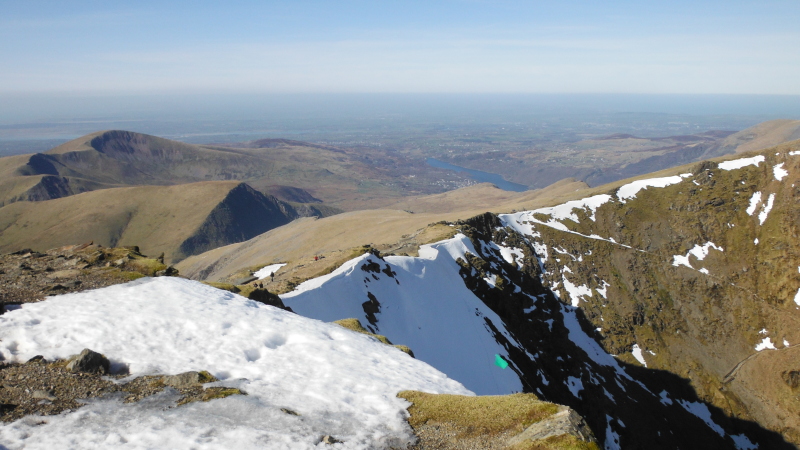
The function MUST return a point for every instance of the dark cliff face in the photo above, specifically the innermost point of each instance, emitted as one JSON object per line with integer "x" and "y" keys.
{"x": 243, "y": 214}
{"x": 559, "y": 358}
{"x": 698, "y": 280}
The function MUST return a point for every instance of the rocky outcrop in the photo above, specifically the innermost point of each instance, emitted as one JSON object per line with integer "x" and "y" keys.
{"x": 88, "y": 361}
{"x": 566, "y": 422}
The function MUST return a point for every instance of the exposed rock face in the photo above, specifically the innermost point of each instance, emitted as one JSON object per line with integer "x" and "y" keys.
{"x": 564, "y": 422}
{"x": 188, "y": 379}
{"x": 696, "y": 279}
{"x": 88, "y": 361}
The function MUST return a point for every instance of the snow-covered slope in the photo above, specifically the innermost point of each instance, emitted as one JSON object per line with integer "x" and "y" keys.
{"x": 419, "y": 302}
{"x": 342, "y": 383}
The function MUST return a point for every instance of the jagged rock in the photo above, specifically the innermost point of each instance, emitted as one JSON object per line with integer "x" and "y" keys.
{"x": 188, "y": 379}
{"x": 168, "y": 272}
{"x": 88, "y": 361}
{"x": 330, "y": 440}
{"x": 564, "y": 422}
{"x": 266, "y": 297}
{"x": 290, "y": 412}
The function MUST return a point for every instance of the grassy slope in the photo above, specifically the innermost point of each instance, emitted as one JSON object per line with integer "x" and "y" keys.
{"x": 763, "y": 135}
{"x": 155, "y": 218}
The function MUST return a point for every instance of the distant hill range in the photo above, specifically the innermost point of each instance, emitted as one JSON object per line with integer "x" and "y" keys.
{"x": 597, "y": 161}
{"x": 121, "y": 158}
{"x": 120, "y": 187}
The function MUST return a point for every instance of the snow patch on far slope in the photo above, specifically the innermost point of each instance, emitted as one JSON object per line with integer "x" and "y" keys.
{"x": 629, "y": 191}
{"x": 565, "y": 210}
{"x": 343, "y": 383}
{"x": 754, "y": 201}
{"x": 425, "y": 305}
{"x": 765, "y": 344}
{"x": 762, "y": 216}
{"x": 698, "y": 251}
{"x": 701, "y": 411}
{"x": 576, "y": 293}
{"x": 742, "y": 162}
{"x": 264, "y": 272}
{"x": 637, "y": 353}
{"x": 510, "y": 254}
{"x": 779, "y": 172}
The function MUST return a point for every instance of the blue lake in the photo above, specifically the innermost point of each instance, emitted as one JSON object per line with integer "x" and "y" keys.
{"x": 478, "y": 175}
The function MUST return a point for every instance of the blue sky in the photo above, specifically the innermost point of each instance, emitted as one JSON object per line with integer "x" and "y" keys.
{"x": 718, "y": 47}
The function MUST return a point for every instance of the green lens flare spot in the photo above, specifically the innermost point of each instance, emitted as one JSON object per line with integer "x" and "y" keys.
{"x": 500, "y": 362}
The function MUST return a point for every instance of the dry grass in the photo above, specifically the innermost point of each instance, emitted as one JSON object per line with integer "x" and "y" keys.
{"x": 481, "y": 415}
{"x": 156, "y": 218}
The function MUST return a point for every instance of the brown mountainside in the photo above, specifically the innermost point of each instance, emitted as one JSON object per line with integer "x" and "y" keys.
{"x": 178, "y": 220}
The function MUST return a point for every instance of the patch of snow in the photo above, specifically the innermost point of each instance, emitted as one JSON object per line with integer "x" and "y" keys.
{"x": 612, "y": 437}
{"x": 512, "y": 254}
{"x": 521, "y": 221}
{"x": 785, "y": 343}
{"x": 565, "y": 210}
{"x": 491, "y": 280}
{"x": 576, "y": 292}
{"x": 779, "y": 172}
{"x": 701, "y": 411}
{"x": 794, "y": 153}
{"x": 762, "y": 216}
{"x": 592, "y": 349}
{"x": 703, "y": 270}
{"x": 567, "y": 269}
{"x": 680, "y": 260}
{"x": 742, "y": 162}
{"x": 343, "y": 383}
{"x": 665, "y": 398}
{"x": 637, "y": 353}
{"x": 763, "y": 331}
{"x": 603, "y": 290}
{"x": 755, "y": 241}
{"x": 742, "y": 442}
{"x": 630, "y": 190}
{"x": 765, "y": 344}
{"x": 575, "y": 385}
{"x": 266, "y": 271}
{"x": 431, "y": 311}
{"x": 529, "y": 310}
{"x": 698, "y": 251}
{"x": 754, "y": 201}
